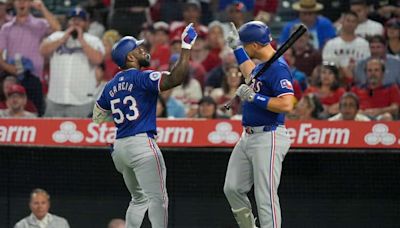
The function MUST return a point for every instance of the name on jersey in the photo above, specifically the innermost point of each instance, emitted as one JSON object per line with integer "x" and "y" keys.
{"x": 119, "y": 87}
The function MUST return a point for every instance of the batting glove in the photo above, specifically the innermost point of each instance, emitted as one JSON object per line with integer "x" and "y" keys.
{"x": 245, "y": 93}
{"x": 233, "y": 39}
{"x": 189, "y": 36}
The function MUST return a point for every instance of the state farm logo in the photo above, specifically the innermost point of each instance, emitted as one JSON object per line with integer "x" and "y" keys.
{"x": 380, "y": 134}
{"x": 223, "y": 133}
{"x": 67, "y": 132}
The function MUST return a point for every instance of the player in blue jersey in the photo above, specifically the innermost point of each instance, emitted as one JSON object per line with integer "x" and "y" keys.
{"x": 131, "y": 98}
{"x": 257, "y": 157}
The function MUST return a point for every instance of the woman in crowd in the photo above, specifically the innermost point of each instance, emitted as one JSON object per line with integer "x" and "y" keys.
{"x": 308, "y": 108}
{"x": 393, "y": 36}
{"x": 231, "y": 81}
{"x": 207, "y": 108}
{"x": 328, "y": 89}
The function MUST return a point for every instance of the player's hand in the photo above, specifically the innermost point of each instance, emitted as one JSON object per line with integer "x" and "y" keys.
{"x": 189, "y": 36}
{"x": 245, "y": 93}
{"x": 233, "y": 39}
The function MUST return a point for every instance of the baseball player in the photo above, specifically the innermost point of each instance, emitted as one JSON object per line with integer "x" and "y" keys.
{"x": 131, "y": 98}
{"x": 257, "y": 157}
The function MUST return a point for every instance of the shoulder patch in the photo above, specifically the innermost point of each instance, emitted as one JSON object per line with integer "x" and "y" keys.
{"x": 154, "y": 76}
{"x": 286, "y": 84}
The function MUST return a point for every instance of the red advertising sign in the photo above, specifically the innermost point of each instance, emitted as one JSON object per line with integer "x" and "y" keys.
{"x": 198, "y": 133}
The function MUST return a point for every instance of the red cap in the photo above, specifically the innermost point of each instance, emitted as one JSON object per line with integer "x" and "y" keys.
{"x": 16, "y": 89}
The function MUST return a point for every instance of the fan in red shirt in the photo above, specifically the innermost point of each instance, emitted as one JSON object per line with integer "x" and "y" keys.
{"x": 377, "y": 101}
{"x": 327, "y": 89}
{"x": 160, "y": 50}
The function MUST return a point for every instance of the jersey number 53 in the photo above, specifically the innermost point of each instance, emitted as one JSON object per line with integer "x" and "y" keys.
{"x": 120, "y": 118}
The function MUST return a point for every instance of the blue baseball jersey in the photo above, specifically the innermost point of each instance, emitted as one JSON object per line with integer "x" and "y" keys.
{"x": 131, "y": 96}
{"x": 276, "y": 81}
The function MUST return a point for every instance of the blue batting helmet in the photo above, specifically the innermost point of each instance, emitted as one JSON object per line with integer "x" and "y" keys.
{"x": 255, "y": 31}
{"x": 121, "y": 49}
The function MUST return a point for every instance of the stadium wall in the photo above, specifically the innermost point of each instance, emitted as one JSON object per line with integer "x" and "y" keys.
{"x": 319, "y": 187}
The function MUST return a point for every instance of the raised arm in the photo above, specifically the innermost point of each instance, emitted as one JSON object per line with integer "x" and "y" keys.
{"x": 246, "y": 65}
{"x": 50, "y": 18}
{"x": 181, "y": 68}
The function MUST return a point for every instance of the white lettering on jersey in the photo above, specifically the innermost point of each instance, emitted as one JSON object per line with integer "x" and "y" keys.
{"x": 120, "y": 86}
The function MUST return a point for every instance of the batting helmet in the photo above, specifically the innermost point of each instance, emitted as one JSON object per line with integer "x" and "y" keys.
{"x": 121, "y": 49}
{"x": 255, "y": 31}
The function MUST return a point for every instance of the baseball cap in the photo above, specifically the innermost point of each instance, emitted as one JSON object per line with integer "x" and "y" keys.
{"x": 78, "y": 12}
{"x": 161, "y": 25}
{"x": 15, "y": 88}
{"x": 121, "y": 49}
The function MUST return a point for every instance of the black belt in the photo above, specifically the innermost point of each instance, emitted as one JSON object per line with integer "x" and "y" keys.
{"x": 259, "y": 129}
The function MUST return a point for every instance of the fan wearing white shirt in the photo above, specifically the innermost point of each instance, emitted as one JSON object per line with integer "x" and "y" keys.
{"x": 40, "y": 216}
{"x": 347, "y": 49}
{"x": 366, "y": 27}
{"x": 74, "y": 55}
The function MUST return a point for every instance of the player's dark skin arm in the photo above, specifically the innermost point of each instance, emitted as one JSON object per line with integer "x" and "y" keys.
{"x": 178, "y": 72}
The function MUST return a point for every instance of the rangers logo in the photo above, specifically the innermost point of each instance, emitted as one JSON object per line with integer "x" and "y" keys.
{"x": 286, "y": 84}
{"x": 154, "y": 76}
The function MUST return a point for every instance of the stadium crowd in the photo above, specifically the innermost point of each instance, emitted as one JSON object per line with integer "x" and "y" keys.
{"x": 56, "y": 58}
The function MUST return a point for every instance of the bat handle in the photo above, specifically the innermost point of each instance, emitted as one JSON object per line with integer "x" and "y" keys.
{"x": 230, "y": 102}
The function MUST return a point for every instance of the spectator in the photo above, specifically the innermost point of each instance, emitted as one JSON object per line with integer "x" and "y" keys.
{"x": 207, "y": 108}
{"x": 4, "y": 16}
{"x": 74, "y": 55}
{"x": 40, "y": 216}
{"x": 377, "y": 45}
{"x": 236, "y": 13}
{"x": 298, "y": 75}
{"x": 31, "y": 83}
{"x": 175, "y": 108}
{"x": 385, "y": 10}
{"x": 161, "y": 110}
{"x": 231, "y": 81}
{"x": 377, "y": 101}
{"x": 215, "y": 77}
{"x": 393, "y": 37}
{"x": 16, "y": 101}
{"x": 7, "y": 82}
{"x": 308, "y": 108}
{"x": 320, "y": 28}
{"x": 366, "y": 27}
{"x": 346, "y": 49}
{"x": 110, "y": 37}
{"x": 306, "y": 56}
{"x": 349, "y": 106}
{"x": 160, "y": 49}
{"x": 191, "y": 14}
{"x": 215, "y": 40}
{"x": 127, "y": 17}
{"x": 189, "y": 92}
{"x": 95, "y": 25}
{"x": 116, "y": 223}
{"x": 328, "y": 89}
{"x": 17, "y": 38}
{"x": 202, "y": 55}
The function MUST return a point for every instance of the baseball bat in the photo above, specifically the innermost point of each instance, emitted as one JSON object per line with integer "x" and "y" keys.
{"x": 279, "y": 52}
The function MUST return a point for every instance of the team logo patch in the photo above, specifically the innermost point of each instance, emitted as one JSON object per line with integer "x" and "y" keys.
{"x": 154, "y": 76}
{"x": 286, "y": 84}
